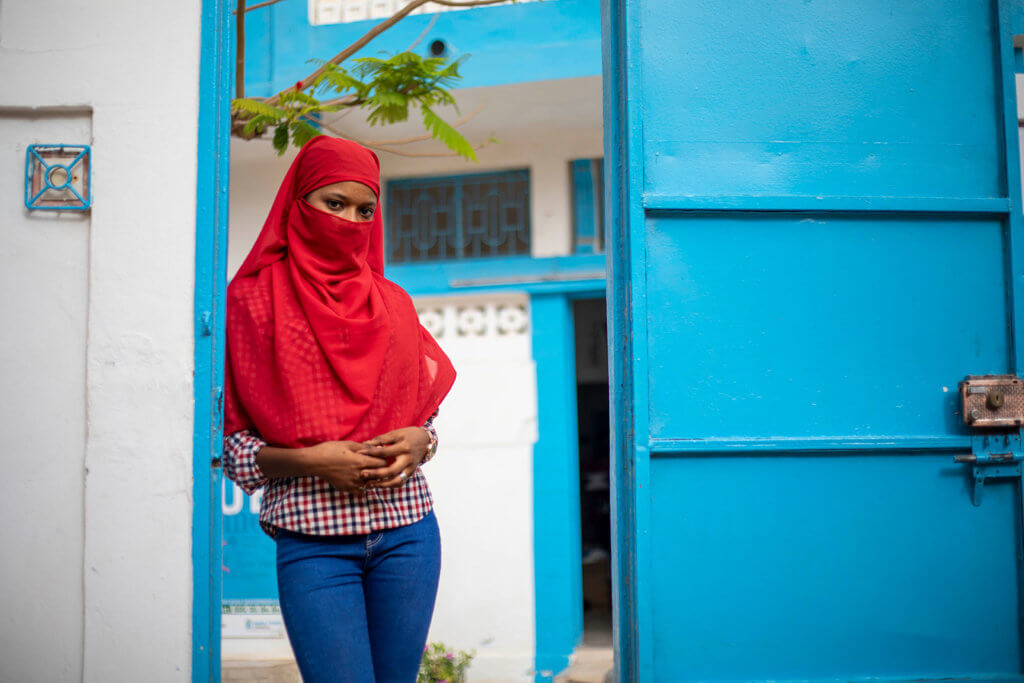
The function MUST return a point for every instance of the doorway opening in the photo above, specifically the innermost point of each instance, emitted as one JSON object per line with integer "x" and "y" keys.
{"x": 591, "y": 341}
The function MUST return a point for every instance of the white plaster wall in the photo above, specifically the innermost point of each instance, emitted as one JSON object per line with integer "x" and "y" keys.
{"x": 482, "y": 482}
{"x": 42, "y": 415}
{"x": 134, "y": 65}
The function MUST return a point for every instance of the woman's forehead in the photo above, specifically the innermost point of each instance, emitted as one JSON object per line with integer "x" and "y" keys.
{"x": 351, "y": 189}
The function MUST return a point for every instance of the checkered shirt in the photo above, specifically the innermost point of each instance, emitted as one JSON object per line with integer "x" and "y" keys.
{"x": 310, "y": 505}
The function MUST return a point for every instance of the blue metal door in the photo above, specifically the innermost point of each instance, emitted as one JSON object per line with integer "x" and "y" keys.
{"x": 815, "y": 234}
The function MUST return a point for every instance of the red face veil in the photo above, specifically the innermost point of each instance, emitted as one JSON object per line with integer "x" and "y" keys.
{"x": 320, "y": 346}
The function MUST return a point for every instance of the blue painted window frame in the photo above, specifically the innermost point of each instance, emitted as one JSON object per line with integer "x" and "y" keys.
{"x": 587, "y": 182}
{"x": 457, "y": 184}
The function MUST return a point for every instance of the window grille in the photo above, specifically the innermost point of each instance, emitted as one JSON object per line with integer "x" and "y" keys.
{"x": 588, "y": 205}
{"x": 458, "y": 217}
{"x": 345, "y": 11}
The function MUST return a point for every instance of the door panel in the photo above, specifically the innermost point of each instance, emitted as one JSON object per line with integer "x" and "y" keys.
{"x": 816, "y": 234}
{"x": 804, "y": 325}
{"x": 830, "y": 567}
{"x": 820, "y": 98}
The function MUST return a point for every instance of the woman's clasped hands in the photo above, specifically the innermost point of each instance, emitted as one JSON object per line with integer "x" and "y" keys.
{"x": 386, "y": 461}
{"x": 402, "y": 449}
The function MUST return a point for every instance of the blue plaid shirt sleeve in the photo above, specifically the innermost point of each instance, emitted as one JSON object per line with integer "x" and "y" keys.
{"x": 239, "y": 460}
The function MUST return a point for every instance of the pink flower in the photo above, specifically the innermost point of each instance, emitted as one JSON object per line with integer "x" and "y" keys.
{"x": 449, "y": 656}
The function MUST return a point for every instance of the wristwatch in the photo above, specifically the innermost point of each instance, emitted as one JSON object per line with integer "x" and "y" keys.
{"x": 432, "y": 446}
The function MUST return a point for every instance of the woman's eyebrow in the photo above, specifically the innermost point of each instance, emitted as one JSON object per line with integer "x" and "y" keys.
{"x": 344, "y": 198}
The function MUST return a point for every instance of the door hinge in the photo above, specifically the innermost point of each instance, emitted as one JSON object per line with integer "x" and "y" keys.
{"x": 206, "y": 323}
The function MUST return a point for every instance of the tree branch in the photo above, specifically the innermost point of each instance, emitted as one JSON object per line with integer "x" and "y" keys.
{"x": 240, "y": 50}
{"x": 373, "y": 33}
{"x": 434, "y": 155}
{"x": 386, "y": 145}
{"x": 467, "y": 3}
{"x": 346, "y": 101}
{"x": 433, "y": 20}
{"x": 354, "y": 47}
{"x": 256, "y": 6}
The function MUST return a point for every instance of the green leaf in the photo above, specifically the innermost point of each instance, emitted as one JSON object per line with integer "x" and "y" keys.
{"x": 303, "y": 132}
{"x": 444, "y": 132}
{"x": 298, "y": 96}
{"x": 281, "y": 139}
{"x": 341, "y": 82}
{"x": 254, "y": 126}
{"x": 257, "y": 108}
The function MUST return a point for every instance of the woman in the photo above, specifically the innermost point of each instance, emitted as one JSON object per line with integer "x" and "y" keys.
{"x": 332, "y": 385}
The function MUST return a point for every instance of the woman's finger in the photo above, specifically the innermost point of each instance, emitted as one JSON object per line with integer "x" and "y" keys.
{"x": 397, "y": 481}
{"x": 400, "y": 448}
{"x": 368, "y": 462}
{"x": 389, "y": 472}
{"x": 385, "y": 438}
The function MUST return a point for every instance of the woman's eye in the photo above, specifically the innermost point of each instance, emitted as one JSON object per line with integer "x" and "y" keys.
{"x": 333, "y": 205}
{"x": 367, "y": 213}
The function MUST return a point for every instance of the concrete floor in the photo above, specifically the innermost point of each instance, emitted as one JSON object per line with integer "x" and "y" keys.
{"x": 593, "y": 660}
{"x": 266, "y": 671}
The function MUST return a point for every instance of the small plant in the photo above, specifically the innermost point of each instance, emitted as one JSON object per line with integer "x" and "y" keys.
{"x": 441, "y": 665}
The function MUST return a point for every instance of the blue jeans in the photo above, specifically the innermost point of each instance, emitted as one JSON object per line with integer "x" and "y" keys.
{"x": 357, "y": 608}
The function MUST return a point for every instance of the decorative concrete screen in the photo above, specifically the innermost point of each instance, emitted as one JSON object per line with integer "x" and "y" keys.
{"x": 344, "y": 11}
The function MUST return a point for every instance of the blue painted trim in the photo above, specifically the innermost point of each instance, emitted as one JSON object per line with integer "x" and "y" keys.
{"x": 212, "y": 168}
{"x": 1011, "y": 22}
{"x": 1009, "y": 11}
{"x": 558, "y": 579}
{"x": 657, "y": 202}
{"x": 510, "y": 273}
{"x": 416, "y": 181}
{"x": 815, "y": 445}
{"x": 980, "y": 678}
{"x": 584, "y": 215}
{"x": 624, "y": 215}
{"x": 1015, "y": 13}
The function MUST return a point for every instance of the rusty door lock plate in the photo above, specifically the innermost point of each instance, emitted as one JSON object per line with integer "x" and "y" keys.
{"x": 992, "y": 401}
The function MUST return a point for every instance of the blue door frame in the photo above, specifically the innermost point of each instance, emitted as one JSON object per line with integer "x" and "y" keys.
{"x": 212, "y": 168}
{"x": 552, "y": 284}
{"x": 558, "y": 588}
{"x": 688, "y": 215}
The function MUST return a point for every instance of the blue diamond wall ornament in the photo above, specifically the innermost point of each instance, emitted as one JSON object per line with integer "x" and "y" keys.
{"x": 58, "y": 177}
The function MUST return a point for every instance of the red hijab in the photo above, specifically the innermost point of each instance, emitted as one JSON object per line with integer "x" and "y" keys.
{"x": 320, "y": 347}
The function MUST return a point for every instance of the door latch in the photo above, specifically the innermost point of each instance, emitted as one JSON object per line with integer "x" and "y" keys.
{"x": 994, "y": 456}
{"x": 993, "y": 406}
{"x": 992, "y": 401}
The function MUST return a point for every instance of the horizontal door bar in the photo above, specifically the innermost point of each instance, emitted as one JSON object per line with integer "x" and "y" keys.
{"x": 658, "y": 202}
{"x": 831, "y": 444}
